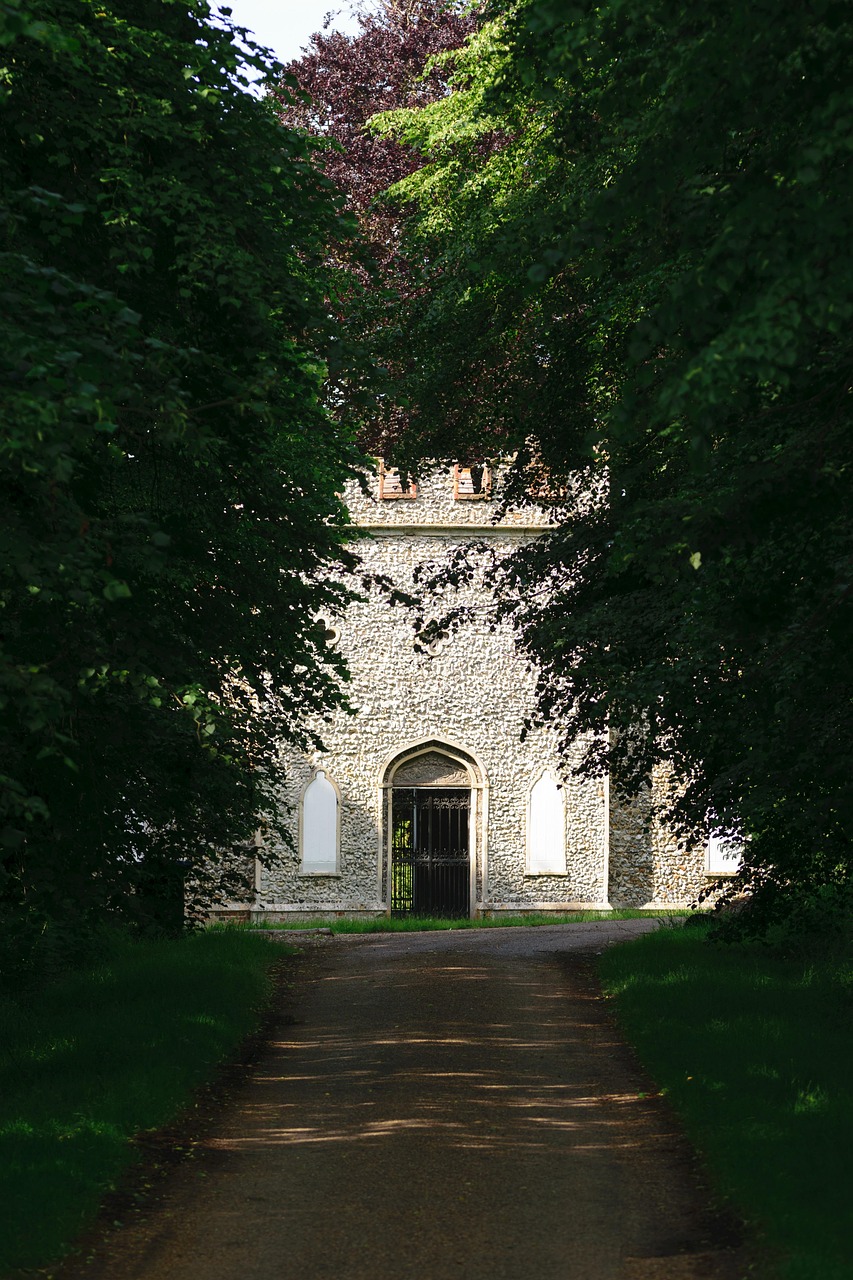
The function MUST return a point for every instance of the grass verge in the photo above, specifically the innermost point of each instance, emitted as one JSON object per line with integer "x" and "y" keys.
{"x": 100, "y": 1055}
{"x": 418, "y": 924}
{"x": 754, "y": 1052}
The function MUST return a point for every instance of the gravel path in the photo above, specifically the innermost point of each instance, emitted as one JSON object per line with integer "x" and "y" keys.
{"x": 443, "y": 1105}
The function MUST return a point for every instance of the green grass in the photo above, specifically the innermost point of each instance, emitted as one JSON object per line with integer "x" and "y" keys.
{"x": 100, "y": 1055}
{"x": 755, "y": 1052}
{"x": 417, "y": 924}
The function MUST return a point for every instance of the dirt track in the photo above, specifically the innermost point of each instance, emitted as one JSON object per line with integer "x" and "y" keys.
{"x": 445, "y": 1105}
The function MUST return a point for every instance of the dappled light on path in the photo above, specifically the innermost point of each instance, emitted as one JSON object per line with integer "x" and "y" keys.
{"x": 429, "y": 1050}
{"x": 441, "y": 1109}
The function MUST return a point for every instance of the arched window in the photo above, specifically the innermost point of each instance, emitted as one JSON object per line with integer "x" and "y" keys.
{"x": 546, "y": 828}
{"x": 724, "y": 856}
{"x": 320, "y": 826}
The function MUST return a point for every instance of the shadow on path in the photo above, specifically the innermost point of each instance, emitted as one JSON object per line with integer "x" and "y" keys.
{"x": 445, "y": 1105}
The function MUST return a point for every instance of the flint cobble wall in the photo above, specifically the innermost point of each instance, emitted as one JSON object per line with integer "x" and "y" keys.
{"x": 647, "y": 863}
{"x": 473, "y": 694}
{"x": 435, "y": 505}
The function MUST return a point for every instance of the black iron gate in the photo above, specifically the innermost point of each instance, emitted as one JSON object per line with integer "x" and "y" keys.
{"x": 430, "y": 866}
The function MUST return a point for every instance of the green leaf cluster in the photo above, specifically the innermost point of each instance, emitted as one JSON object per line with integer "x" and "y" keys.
{"x": 632, "y": 243}
{"x": 169, "y": 473}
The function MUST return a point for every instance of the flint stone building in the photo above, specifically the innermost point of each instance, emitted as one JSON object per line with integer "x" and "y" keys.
{"x": 427, "y": 800}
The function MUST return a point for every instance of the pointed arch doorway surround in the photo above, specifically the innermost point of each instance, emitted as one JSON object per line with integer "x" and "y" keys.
{"x": 435, "y": 814}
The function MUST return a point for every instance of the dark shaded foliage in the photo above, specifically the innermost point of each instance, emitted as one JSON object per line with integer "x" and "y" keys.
{"x": 168, "y": 469}
{"x": 646, "y": 293}
{"x": 345, "y": 80}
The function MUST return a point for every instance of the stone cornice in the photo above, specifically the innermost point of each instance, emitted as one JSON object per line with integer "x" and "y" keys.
{"x": 454, "y": 530}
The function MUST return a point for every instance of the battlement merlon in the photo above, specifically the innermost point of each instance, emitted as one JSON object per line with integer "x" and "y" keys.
{"x": 446, "y": 497}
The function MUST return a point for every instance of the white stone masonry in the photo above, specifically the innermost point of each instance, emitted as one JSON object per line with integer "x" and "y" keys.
{"x": 539, "y": 838}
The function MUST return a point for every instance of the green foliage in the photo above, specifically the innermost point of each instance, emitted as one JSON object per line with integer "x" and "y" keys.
{"x": 103, "y": 1054}
{"x": 751, "y": 1051}
{"x": 344, "y": 80}
{"x": 169, "y": 473}
{"x": 632, "y": 247}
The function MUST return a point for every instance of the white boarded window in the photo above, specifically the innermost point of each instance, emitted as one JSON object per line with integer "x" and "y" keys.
{"x": 724, "y": 855}
{"x": 320, "y": 816}
{"x": 546, "y": 828}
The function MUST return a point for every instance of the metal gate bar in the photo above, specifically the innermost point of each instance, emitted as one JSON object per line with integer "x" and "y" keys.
{"x": 430, "y": 865}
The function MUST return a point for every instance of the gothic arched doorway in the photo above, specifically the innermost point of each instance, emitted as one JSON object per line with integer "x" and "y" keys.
{"x": 432, "y": 818}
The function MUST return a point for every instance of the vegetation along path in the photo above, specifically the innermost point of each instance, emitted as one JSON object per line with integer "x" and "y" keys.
{"x": 439, "y": 1105}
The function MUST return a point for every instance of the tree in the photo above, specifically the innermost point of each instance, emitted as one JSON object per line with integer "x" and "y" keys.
{"x": 646, "y": 293}
{"x": 168, "y": 469}
{"x": 344, "y": 81}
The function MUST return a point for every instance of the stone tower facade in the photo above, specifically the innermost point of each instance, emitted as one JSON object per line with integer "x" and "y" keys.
{"x": 427, "y": 799}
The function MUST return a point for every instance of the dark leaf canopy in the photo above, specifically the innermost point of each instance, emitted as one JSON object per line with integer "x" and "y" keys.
{"x": 645, "y": 293}
{"x": 168, "y": 468}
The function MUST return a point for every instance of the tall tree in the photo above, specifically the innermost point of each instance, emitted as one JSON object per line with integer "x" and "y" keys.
{"x": 168, "y": 469}
{"x": 343, "y": 81}
{"x": 646, "y": 291}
